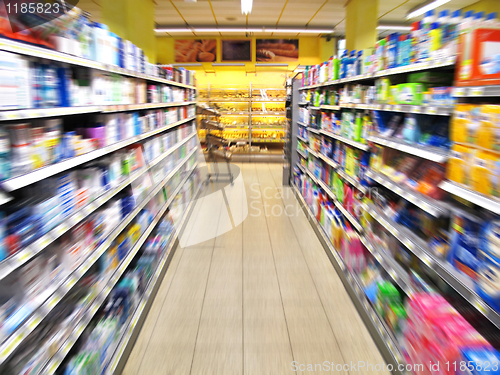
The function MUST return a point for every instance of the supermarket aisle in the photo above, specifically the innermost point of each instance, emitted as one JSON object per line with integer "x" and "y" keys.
{"x": 252, "y": 299}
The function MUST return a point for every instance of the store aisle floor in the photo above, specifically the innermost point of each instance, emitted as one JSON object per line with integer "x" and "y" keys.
{"x": 260, "y": 298}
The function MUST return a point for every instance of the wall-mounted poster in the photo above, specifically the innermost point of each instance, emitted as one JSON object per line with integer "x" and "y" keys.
{"x": 236, "y": 50}
{"x": 195, "y": 50}
{"x": 273, "y": 50}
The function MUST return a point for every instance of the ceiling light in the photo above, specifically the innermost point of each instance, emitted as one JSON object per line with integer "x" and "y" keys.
{"x": 301, "y": 31}
{"x": 175, "y": 30}
{"x": 424, "y": 8}
{"x": 246, "y": 6}
{"x": 229, "y": 30}
{"x": 394, "y": 27}
{"x": 244, "y": 30}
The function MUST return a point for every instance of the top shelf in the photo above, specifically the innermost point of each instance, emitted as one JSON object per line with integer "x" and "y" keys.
{"x": 43, "y": 53}
{"x": 437, "y": 63}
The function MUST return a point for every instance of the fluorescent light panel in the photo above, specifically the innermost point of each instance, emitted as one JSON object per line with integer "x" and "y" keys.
{"x": 244, "y": 30}
{"x": 425, "y": 7}
{"x": 246, "y": 6}
{"x": 394, "y": 27}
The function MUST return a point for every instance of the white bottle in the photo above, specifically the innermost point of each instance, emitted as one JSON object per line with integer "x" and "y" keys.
{"x": 491, "y": 21}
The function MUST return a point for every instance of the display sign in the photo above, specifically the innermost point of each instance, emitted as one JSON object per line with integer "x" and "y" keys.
{"x": 237, "y": 50}
{"x": 276, "y": 50}
{"x": 195, "y": 50}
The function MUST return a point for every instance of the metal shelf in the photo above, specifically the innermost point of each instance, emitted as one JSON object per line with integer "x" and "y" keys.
{"x": 144, "y": 106}
{"x": 383, "y": 337}
{"x": 389, "y": 264}
{"x": 435, "y": 154}
{"x": 350, "y": 142}
{"x": 479, "y": 199}
{"x": 312, "y": 130}
{"x": 431, "y": 64}
{"x": 234, "y": 113}
{"x": 310, "y": 151}
{"x": 44, "y": 53}
{"x": 461, "y": 283}
{"x": 303, "y": 103}
{"x": 432, "y": 206}
{"x": 91, "y": 309}
{"x": 330, "y": 107}
{"x": 51, "y": 170}
{"x": 476, "y": 91}
{"x": 263, "y": 140}
{"x": 23, "y": 114}
{"x": 303, "y": 124}
{"x": 329, "y": 161}
{"x": 351, "y": 180}
{"x": 302, "y": 139}
{"x": 302, "y": 154}
{"x": 269, "y": 113}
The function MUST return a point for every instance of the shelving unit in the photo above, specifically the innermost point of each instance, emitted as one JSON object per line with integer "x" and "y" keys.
{"x": 249, "y": 103}
{"x": 167, "y": 182}
{"x": 436, "y": 267}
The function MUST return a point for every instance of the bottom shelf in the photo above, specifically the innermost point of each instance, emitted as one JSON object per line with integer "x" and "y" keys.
{"x": 381, "y": 334}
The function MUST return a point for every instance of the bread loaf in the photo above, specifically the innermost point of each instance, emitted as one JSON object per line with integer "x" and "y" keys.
{"x": 284, "y": 46}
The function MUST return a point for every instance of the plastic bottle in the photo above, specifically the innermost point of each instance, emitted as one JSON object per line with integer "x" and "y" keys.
{"x": 454, "y": 22}
{"x": 343, "y": 65}
{"x": 359, "y": 64}
{"x": 50, "y": 94}
{"x": 401, "y": 49}
{"x": 330, "y": 69}
{"x": 434, "y": 39}
{"x": 336, "y": 68}
{"x": 466, "y": 23}
{"x": 350, "y": 64}
{"x": 425, "y": 35}
{"x": 414, "y": 42}
{"x": 491, "y": 21}
{"x": 392, "y": 50}
{"x": 444, "y": 25}
{"x": 380, "y": 54}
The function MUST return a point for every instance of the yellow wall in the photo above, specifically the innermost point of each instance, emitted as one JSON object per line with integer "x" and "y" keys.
{"x": 309, "y": 53}
{"x": 327, "y": 48}
{"x": 361, "y": 24}
{"x": 487, "y": 6}
{"x": 125, "y": 19}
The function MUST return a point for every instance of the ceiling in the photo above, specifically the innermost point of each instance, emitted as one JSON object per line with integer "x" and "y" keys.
{"x": 269, "y": 13}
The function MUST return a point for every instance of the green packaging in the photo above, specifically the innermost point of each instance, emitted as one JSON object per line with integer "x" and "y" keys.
{"x": 411, "y": 93}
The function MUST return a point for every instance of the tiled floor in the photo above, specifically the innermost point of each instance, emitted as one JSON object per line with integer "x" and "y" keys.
{"x": 253, "y": 292}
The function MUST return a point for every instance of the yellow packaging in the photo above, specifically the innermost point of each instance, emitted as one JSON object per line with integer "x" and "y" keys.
{"x": 480, "y": 172}
{"x": 457, "y": 127}
{"x": 495, "y": 119}
{"x": 486, "y": 131}
{"x": 458, "y": 169}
